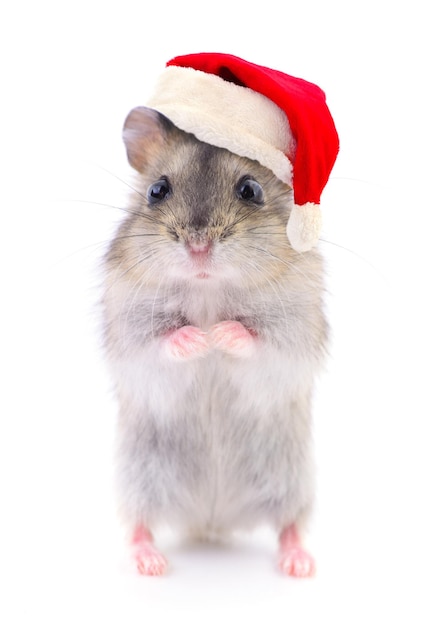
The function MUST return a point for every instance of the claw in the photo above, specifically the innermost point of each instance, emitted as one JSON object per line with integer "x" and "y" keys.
{"x": 150, "y": 562}
{"x": 188, "y": 342}
{"x": 232, "y": 337}
{"x": 294, "y": 560}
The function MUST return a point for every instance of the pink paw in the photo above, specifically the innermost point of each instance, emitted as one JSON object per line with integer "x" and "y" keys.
{"x": 149, "y": 561}
{"x": 186, "y": 343}
{"x": 293, "y": 559}
{"x": 232, "y": 337}
{"x": 297, "y": 562}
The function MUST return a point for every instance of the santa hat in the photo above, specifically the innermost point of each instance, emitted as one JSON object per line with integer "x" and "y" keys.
{"x": 263, "y": 114}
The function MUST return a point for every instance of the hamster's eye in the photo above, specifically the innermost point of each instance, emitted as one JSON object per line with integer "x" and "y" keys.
{"x": 158, "y": 191}
{"x": 249, "y": 190}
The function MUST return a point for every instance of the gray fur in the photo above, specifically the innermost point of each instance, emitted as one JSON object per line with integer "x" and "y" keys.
{"x": 217, "y": 443}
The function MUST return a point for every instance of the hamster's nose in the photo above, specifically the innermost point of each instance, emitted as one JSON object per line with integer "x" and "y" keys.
{"x": 198, "y": 242}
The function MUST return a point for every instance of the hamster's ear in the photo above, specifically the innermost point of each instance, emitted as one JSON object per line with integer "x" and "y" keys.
{"x": 144, "y": 132}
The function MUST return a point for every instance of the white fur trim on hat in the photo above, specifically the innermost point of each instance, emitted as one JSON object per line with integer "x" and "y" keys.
{"x": 228, "y": 116}
{"x": 304, "y": 226}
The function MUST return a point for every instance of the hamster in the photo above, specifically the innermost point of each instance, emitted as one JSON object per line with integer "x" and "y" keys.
{"x": 214, "y": 333}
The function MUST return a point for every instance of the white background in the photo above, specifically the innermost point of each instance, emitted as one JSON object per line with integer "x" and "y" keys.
{"x": 70, "y": 73}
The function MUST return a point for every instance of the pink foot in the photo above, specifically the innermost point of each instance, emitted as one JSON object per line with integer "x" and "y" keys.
{"x": 293, "y": 559}
{"x": 232, "y": 337}
{"x": 150, "y": 562}
{"x": 187, "y": 343}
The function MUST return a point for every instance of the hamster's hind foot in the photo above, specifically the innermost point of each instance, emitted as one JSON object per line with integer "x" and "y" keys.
{"x": 294, "y": 560}
{"x": 149, "y": 561}
{"x": 297, "y": 562}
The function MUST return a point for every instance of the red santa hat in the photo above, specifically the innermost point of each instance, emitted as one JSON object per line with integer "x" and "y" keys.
{"x": 263, "y": 114}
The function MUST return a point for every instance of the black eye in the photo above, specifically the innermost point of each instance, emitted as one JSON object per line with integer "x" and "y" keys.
{"x": 249, "y": 190}
{"x": 158, "y": 191}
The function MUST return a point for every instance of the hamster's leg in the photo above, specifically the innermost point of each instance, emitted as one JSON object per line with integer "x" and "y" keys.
{"x": 294, "y": 560}
{"x": 187, "y": 342}
{"x": 232, "y": 337}
{"x": 150, "y": 562}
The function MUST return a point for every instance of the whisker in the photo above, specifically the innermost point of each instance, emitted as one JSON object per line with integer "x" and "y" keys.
{"x": 130, "y": 303}
{"x": 132, "y": 235}
{"x": 275, "y": 287}
{"x": 256, "y": 229}
{"x": 338, "y": 245}
{"x": 378, "y": 270}
{"x": 140, "y": 259}
{"x": 121, "y": 180}
{"x": 155, "y": 297}
{"x": 244, "y": 217}
{"x": 277, "y": 258}
{"x": 104, "y": 244}
{"x": 109, "y": 206}
{"x": 150, "y": 217}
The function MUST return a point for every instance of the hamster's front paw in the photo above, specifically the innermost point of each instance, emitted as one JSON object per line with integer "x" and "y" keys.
{"x": 232, "y": 337}
{"x": 188, "y": 342}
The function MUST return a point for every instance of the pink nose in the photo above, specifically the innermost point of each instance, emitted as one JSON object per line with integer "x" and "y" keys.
{"x": 198, "y": 243}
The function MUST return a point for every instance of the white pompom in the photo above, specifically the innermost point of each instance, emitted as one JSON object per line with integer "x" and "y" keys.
{"x": 304, "y": 226}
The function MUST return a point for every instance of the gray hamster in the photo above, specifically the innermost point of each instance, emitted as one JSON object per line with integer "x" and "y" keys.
{"x": 214, "y": 333}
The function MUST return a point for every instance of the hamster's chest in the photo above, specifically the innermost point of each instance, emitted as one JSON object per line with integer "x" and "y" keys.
{"x": 203, "y": 306}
